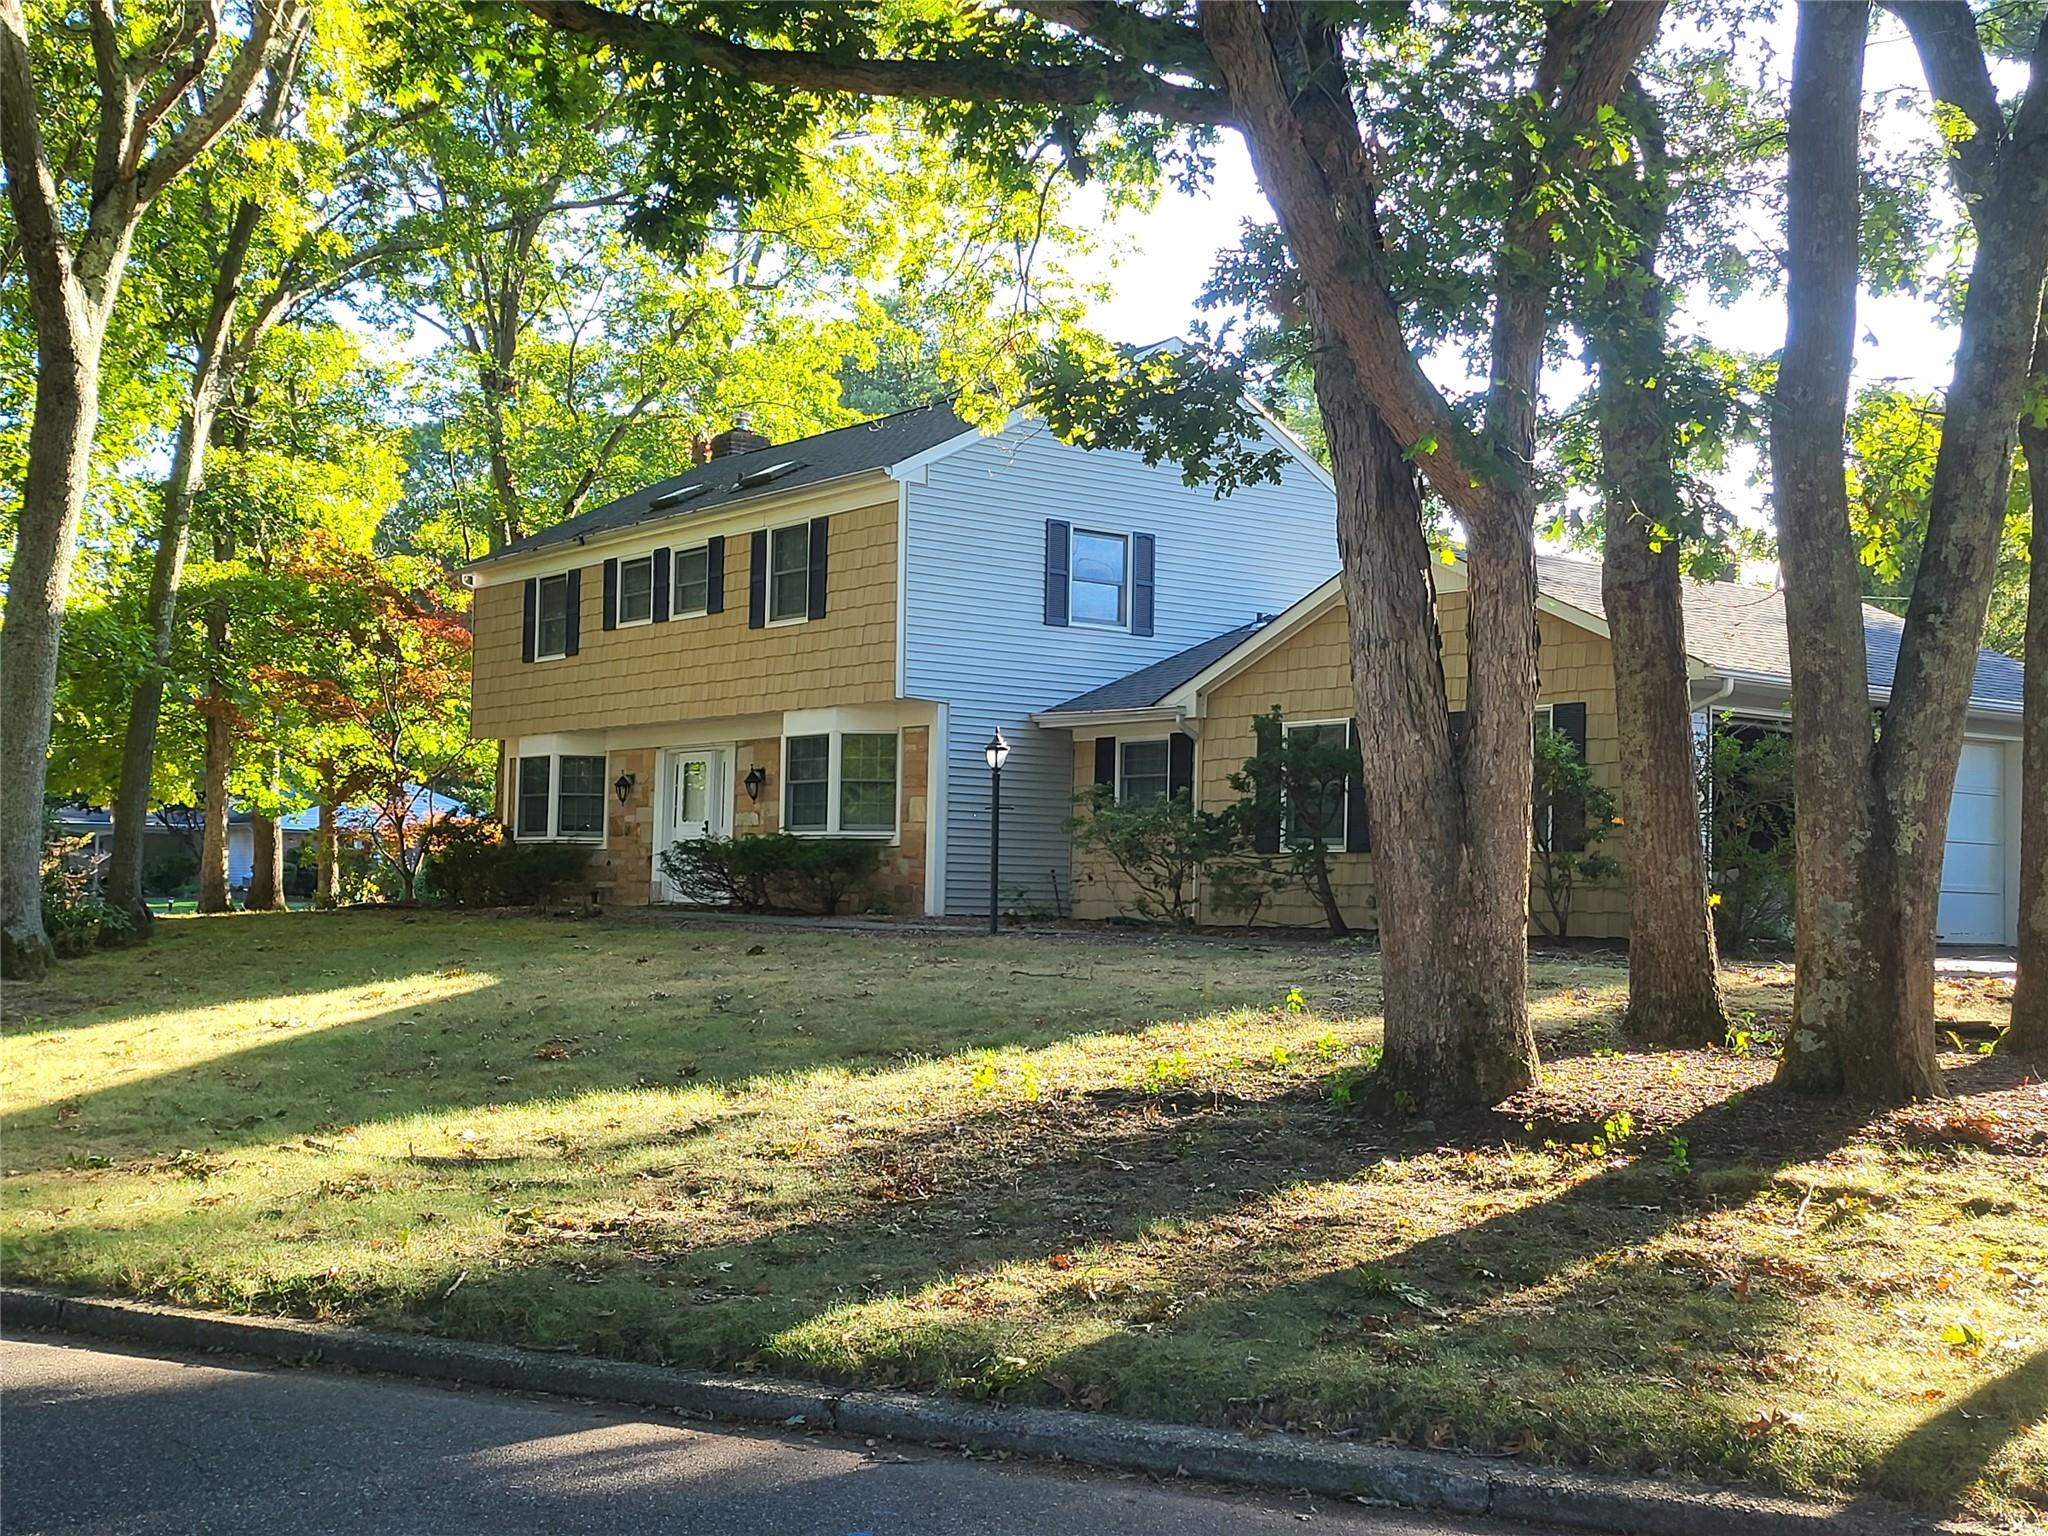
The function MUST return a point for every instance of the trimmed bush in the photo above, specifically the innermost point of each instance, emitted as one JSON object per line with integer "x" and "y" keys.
{"x": 775, "y": 870}
{"x": 474, "y": 864}
{"x": 75, "y": 918}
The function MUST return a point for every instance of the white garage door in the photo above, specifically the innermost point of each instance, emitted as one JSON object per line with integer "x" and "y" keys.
{"x": 1973, "y": 857}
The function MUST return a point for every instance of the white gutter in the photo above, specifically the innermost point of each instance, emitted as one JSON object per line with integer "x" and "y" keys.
{"x": 1075, "y": 719}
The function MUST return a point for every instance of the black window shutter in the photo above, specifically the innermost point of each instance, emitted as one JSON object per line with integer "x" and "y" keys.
{"x": 1266, "y": 805}
{"x": 611, "y": 594}
{"x": 1569, "y": 720}
{"x": 1357, "y": 830}
{"x": 1457, "y": 729}
{"x": 1143, "y": 552}
{"x": 575, "y": 612}
{"x": 664, "y": 567}
{"x": 757, "y": 580}
{"x": 1058, "y": 539}
{"x": 819, "y": 525}
{"x": 714, "y": 575}
{"x": 529, "y": 618}
{"x": 1105, "y": 761}
{"x": 1180, "y": 765}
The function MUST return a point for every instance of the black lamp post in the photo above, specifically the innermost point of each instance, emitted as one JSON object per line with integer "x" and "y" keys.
{"x": 996, "y": 752}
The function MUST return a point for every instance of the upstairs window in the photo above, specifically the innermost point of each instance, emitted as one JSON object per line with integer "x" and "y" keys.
{"x": 789, "y": 572}
{"x": 1100, "y": 580}
{"x": 551, "y": 618}
{"x": 636, "y": 591}
{"x": 692, "y": 589}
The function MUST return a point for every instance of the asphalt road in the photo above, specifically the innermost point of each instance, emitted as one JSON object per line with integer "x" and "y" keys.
{"x": 99, "y": 1439}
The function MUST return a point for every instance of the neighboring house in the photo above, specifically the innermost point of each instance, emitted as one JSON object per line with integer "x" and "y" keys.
{"x": 175, "y": 834}
{"x": 821, "y": 636}
{"x": 1196, "y": 710}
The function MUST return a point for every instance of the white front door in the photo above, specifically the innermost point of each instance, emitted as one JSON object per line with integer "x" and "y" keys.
{"x": 696, "y": 800}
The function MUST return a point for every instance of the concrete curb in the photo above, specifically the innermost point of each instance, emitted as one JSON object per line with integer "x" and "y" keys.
{"x": 1338, "y": 1469}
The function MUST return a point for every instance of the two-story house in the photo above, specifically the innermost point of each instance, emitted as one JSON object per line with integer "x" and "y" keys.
{"x": 821, "y": 636}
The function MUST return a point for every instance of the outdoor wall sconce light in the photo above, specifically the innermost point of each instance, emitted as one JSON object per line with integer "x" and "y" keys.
{"x": 757, "y": 777}
{"x": 623, "y": 787}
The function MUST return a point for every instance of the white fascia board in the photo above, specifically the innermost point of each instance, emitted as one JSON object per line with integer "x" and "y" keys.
{"x": 1188, "y": 698}
{"x": 914, "y": 467}
{"x": 1081, "y": 719}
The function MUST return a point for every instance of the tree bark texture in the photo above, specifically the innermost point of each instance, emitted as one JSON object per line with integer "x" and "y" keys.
{"x": 1450, "y": 824}
{"x": 220, "y": 759}
{"x": 326, "y": 853}
{"x": 1674, "y": 990}
{"x": 2029, "y": 1033}
{"x": 1872, "y": 807}
{"x": 266, "y": 873}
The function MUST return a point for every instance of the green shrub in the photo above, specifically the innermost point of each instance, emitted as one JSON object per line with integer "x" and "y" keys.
{"x": 171, "y": 873}
{"x": 1291, "y": 790}
{"x": 75, "y": 918}
{"x": 1747, "y": 787}
{"x": 775, "y": 870}
{"x": 1164, "y": 848}
{"x": 473, "y": 864}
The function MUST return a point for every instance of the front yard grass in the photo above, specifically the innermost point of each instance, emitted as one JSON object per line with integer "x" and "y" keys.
{"x": 1117, "y": 1175}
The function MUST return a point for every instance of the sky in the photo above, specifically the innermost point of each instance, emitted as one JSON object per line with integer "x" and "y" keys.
{"x": 1165, "y": 253}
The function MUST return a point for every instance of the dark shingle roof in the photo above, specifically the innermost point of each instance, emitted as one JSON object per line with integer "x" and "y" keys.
{"x": 1148, "y": 685}
{"x": 1731, "y": 628}
{"x": 1742, "y": 629}
{"x": 864, "y": 446}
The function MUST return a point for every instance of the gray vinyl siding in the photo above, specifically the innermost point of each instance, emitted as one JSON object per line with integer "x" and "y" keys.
{"x": 975, "y": 635}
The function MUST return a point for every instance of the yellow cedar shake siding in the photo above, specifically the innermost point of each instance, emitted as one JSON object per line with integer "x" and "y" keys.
{"x": 622, "y": 872}
{"x": 1308, "y": 675}
{"x": 697, "y": 668}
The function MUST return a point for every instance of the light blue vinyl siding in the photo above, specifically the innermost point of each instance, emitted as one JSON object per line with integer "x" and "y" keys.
{"x": 974, "y": 632}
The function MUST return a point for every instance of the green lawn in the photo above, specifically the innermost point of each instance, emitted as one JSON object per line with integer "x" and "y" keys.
{"x": 1111, "y": 1174}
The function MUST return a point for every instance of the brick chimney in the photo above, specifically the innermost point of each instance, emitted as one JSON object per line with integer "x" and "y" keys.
{"x": 740, "y": 437}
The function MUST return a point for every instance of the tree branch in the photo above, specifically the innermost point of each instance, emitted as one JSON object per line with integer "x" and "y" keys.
{"x": 275, "y": 24}
{"x": 1944, "y": 34}
{"x": 1085, "y": 86}
{"x": 1129, "y": 33}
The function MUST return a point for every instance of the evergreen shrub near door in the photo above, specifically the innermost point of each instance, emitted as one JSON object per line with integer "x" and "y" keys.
{"x": 775, "y": 870}
{"x": 473, "y": 864}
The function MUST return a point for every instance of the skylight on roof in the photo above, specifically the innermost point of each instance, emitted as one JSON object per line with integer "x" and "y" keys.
{"x": 762, "y": 476}
{"x": 679, "y": 495}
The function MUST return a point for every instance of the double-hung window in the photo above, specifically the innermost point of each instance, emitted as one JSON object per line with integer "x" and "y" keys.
{"x": 1143, "y": 771}
{"x": 636, "y": 591}
{"x": 551, "y": 618}
{"x": 560, "y": 797}
{"x": 1318, "y": 810}
{"x": 691, "y": 591}
{"x": 1545, "y": 813}
{"x": 789, "y": 572}
{"x": 840, "y": 781}
{"x": 1099, "y": 590}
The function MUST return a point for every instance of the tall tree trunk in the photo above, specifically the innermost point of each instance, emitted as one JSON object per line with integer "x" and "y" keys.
{"x": 326, "y": 854}
{"x": 212, "y": 376}
{"x": 1450, "y": 822}
{"x": 220, "y": 757}
{"x": 1870, "y": 820}
{"x": 39, "y": 579}
{"x": 2029, "y": 1032}
{"x": 1674, "y": 991}
{"x": 145, "y": 708}
{"x": 266, "y": 874}
{"x": 1849, "y": 1003}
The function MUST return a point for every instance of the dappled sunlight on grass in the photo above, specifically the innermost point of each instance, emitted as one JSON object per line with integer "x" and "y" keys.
{"x": 1126, "y": 1175}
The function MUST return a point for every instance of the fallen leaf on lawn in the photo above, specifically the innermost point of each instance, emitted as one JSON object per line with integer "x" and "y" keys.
{"x": 1769, "y": 1421}
{"x": 1061, "y": 1261}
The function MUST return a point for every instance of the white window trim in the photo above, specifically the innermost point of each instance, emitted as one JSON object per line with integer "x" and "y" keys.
{"x": 1136, "y": 741}
{"x": 1123, "y": 600}
{"x": 891, "y": 834}
{"x": 554, "y": 834}
{"x": 1342, "y": 840}
{"x": 539, "y": 586}
{"x": 769, "y": 620}
{"x": 619, "y": 619}
{"x": 674, "y": 586}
